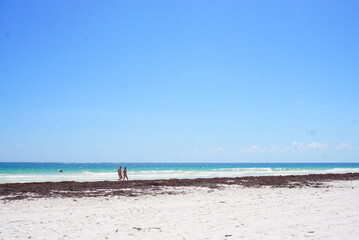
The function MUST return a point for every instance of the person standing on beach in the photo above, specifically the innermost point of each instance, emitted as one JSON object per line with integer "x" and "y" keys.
{"x": 125, "y": 174}
{"x": 119, "y": 171}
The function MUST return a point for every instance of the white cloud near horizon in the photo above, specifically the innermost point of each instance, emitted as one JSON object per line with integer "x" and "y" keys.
{"x": 314, "y": 145}
{"x": 294, "y": 146}
{"x": 317, "y": 145}
{"x": 217, "y": 150}
{"x": 343, "y": 146}
{"x": 298, "y": 146}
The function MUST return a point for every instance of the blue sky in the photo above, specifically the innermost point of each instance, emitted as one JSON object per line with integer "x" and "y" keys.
{"x": 179, "y": 81}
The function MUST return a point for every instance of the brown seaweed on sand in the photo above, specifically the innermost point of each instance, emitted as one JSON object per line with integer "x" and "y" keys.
{"x": 14, "y": 191}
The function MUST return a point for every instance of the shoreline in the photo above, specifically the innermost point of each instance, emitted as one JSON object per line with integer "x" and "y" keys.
{"x": 132, "y": 188}
{"x": 27, "y": 172}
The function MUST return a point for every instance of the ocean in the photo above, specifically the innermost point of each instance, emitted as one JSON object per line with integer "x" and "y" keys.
{"x": 12, "y": 172}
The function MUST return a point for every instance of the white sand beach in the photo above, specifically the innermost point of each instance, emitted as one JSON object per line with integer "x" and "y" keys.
{"x": 234, "y": 212}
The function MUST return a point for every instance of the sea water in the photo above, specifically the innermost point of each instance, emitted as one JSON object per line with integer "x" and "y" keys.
{"x": 12, "y": 172}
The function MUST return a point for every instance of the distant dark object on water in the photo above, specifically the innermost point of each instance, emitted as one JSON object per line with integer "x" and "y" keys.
{"x": 61, "y": 170}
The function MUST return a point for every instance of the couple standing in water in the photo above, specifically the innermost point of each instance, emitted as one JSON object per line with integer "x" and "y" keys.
{"x": 122, "y": 175}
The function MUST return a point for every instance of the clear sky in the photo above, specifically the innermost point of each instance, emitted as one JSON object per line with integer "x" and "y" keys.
{"x": 179, "y": 81}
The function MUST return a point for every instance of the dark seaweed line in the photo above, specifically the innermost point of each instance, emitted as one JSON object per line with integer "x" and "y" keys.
{"x": 17, "y": 191}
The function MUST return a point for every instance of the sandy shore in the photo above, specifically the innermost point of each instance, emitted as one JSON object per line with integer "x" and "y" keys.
{"x": 323, "y": 209}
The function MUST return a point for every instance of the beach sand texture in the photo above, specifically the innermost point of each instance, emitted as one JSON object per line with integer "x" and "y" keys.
{"x": 233, "y": 212}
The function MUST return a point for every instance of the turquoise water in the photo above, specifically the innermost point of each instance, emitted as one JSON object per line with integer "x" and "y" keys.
{"x": 38, "y": 172}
